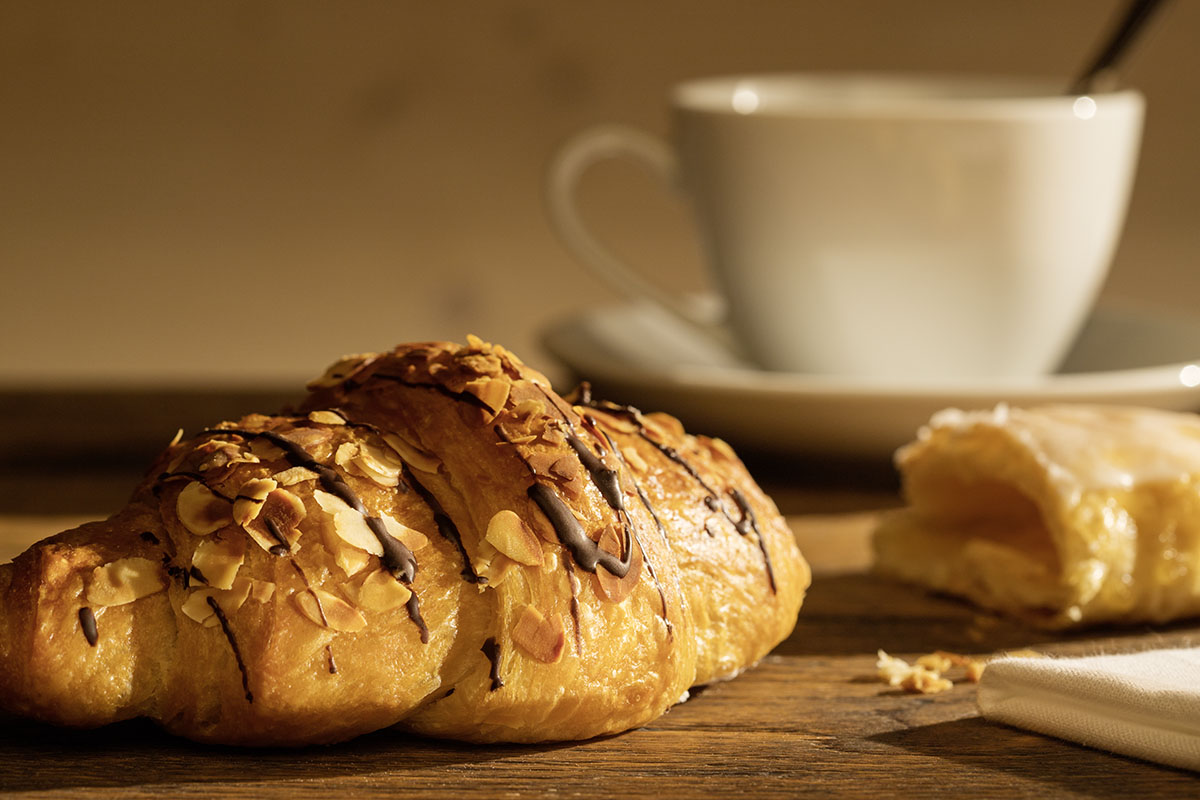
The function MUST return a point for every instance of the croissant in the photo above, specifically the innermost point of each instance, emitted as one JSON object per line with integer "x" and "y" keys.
{"x": 434, "y": 539}
{"x": 1061, "y": 515}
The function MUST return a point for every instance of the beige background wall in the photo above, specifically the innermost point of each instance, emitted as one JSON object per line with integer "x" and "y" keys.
{"x": 239, "y": 192}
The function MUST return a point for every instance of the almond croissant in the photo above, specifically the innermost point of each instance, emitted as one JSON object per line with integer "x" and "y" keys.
{"x": 433, "y": 539}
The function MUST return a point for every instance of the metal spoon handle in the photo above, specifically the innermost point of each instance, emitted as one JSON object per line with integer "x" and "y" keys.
{"x": 1138, "y": 13}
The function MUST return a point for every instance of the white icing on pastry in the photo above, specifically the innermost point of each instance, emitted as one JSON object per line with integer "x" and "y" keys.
{"x": 1061, "y": 514}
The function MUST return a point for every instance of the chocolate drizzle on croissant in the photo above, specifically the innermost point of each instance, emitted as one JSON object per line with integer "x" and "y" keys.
{"x": 602, "y": 559}
{"x": 397, "y": 559}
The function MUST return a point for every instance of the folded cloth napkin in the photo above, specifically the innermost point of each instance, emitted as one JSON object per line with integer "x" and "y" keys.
{"x": 1141, "y": 704}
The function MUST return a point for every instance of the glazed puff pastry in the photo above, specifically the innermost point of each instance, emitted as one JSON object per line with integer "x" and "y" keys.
{"x": 1061, "y": 515}
{"x": 434, "y": 539}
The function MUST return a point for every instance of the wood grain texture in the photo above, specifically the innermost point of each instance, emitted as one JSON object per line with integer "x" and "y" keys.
{"x": 810, "y": 720}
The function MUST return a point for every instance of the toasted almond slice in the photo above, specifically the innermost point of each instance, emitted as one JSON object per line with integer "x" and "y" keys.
{"x": 329, "y": 611}
{"x": 344, "y": 454}
{"x": 124, "y": 580}
{"x": 381, "y": 466}
{"x": 380, "y": 592}
{"x": 325, "y": 417}
{"x": 196, "y": 606}
{"x": 351, "y": 560}
{"x": 218, "y": 559}
{"x": 261, "y": 591}
{"x": 349, "y": 525}
{"x": 540, "y": 637}
{"x": 412, "y": 455}
{"x": 264, "y": 450}
{"x": 233, "y": 598}
{"x": 250, "y": 497}
{"x": 529, "y": 407}
{"x": 492, "y": 392}
{"x": 277, "y": 520}
{"x": 634, "y": 459}
{"x": 294, "y": 475}
{"x": 201, "y": 511}
{"x": 611, "y": 587}
{"x": 553, "y": 435}
{"x": 411, "y": 538}
{"x": 509, "y": 534}
{"x": 566, "y": 468}
{"x": 498, "y": 569}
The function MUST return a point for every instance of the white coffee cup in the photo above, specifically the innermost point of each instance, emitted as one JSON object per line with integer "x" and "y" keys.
{"x": 882, "y": 225}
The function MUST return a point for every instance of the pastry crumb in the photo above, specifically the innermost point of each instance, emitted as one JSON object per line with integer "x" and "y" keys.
{"x": 925, "y": 676}
{"x": 911, "y": 678}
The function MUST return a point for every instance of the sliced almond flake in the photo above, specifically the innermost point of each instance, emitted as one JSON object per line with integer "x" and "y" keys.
{"x": 349, "y": 525}
{"x": 294, "y": 475}
{"x": 344, "y": 454}
{"x": 219, "y": 454}
{"x": 280, "y": 516}
{"x": 379, "y": 592}
{"x": 498, "y": 570}
{"x": 635, "y": 460}
{"x": 411, "y": 538}
{"x": 261, "y": 591}
{"x": 530, "y": 407}
{"x": 492, "y": 392}
{"x": 219, "y": 560}
{"x": 412, "y": 455}
{"x": 264, "y": 450}
{"x": 380, "y": 465}
{"x": 329, "y": 611}
{"x": 196, "y": 607}
{"x": 539, "y": 636}
{"x": 250, "y": 497}
{"x": 326, "y": 417}
{"x": 541, "y": 461}
{"x": 566, "y": 467}
{"x": 509, "y": 534}
{"x": 351, "y": 560}
{"x": 553, "y": 435}
{"x": 609, "y": 586}
{"x": 308, "y": 439}
{"x": 201, "y": 511}
{"x": 233, "y": 598}
{"x": 123, "y": 581}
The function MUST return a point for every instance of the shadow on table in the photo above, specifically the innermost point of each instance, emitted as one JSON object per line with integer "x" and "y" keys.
{"x": 977, "y": 744}
{"x": 37, "y": 757}
{"x": 860, "y": 613}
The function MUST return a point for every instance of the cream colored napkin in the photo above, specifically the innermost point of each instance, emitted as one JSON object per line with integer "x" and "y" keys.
{"x": 1141, "y": 704}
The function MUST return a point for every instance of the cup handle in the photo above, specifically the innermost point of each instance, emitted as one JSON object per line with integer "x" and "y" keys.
{"x": 567, "y": 167}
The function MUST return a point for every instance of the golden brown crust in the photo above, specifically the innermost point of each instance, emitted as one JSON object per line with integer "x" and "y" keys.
{"x": 434, "y": 539}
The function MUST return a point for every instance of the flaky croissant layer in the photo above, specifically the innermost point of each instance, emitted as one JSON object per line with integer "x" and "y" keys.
{"x": 433, "y": 539}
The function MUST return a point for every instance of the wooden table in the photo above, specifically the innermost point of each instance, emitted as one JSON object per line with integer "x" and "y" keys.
{"x": 810, "y": 720}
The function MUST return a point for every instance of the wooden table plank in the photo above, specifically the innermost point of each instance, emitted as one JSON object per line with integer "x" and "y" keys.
{"x": 810, "y": 720}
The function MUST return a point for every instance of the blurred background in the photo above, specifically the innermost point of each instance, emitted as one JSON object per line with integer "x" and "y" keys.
{"x": 205, "y": 203}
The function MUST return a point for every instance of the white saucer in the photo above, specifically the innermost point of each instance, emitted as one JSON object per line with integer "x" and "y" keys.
{"x": 637, "y": 354}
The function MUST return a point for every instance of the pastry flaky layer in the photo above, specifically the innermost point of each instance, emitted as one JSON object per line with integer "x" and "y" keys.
{"x": 433, "y": 539}
{"x": 1061, "y": 515}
